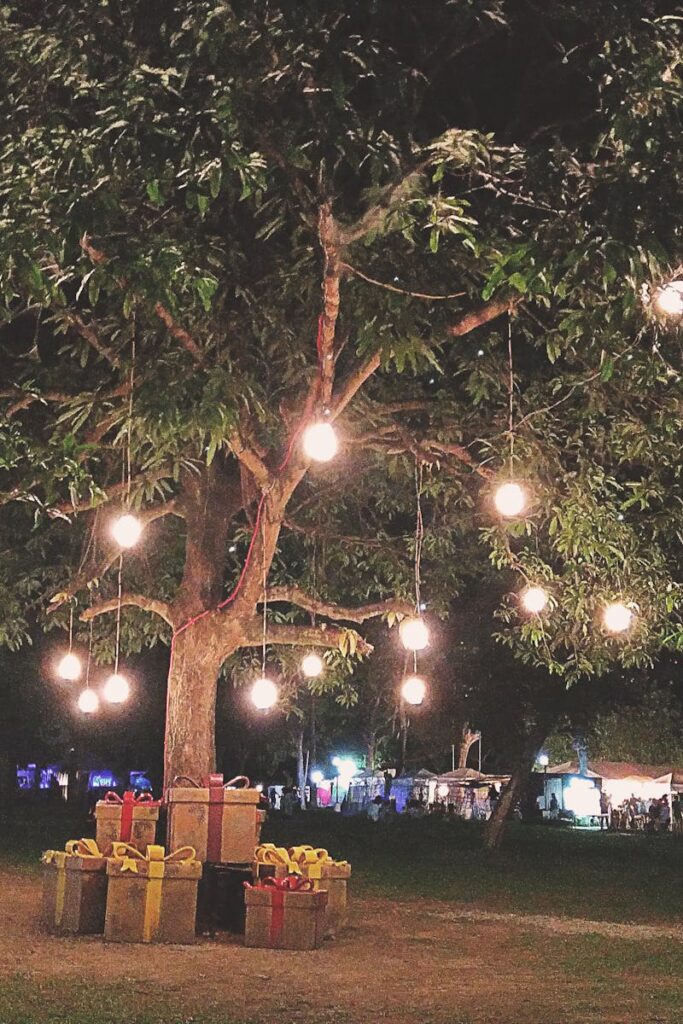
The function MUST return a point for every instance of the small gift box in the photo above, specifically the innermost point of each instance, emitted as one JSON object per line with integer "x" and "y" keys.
{"x": 74, "y": 889}
{"x": 271, "y": 861}
{"x": 126, "y": 819}
{"x": 221, "y": 820}
{"x": 326, "y": 873}
{"x": 151, "y": 897}
{"x": 284, "y": 913}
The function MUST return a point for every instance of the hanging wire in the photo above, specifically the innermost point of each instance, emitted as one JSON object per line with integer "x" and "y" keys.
{"x": 118, "y": 616}
{"x": 265, "y": 596}
{"x": 419, "y": 540}
{"x": 511, "y": 396}
{"x": 130, "y": 412}
{"x": 87, "y": 664}
{"x": 71, "y": 626}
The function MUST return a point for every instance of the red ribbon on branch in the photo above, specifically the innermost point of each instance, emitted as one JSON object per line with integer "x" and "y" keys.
{"x": 128, "y": 802}
{"x": 280, "y": 886}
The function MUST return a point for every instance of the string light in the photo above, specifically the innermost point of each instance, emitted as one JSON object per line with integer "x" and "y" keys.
{"x": 617, "y": 617}
{"x": 88, "y": 701}
{"x": 69, "y": 667}
{"x": 126, "y": 530}
{"x": 414, "y": 690}
{"x": 669, "y": 299}
{"x": 116, "y": 689}
{"x": 534, "y": 599}
{"x": 312, "y": 666}
{"x": 510, "y": 499}
{"x": 414, "y": 633}
{"x": 264, "y": 694}
{"x": 320, "y": 441}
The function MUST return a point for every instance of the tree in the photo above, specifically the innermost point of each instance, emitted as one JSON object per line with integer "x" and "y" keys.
{"x": 226, "y": 222}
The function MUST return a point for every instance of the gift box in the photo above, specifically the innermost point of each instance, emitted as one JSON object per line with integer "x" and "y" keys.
{"x": 326, "y": 873}
{"x": 151, "y": 897}
{"x": 284, "y": 913}
{"x": 222, "y": 821}
{"x": 271, "y": 861}
{"x": 74, "y": 889}
{"x": 126, "y": 819}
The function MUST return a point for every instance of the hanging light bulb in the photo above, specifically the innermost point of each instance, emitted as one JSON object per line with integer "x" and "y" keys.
{"x": 88, "y": 701}
{"x": 669, "y": 298}
{"x": 616, "y": 617}
{"x": 320, "y": 441}
{"x": 414, "y": 633}
{"x": 510, "y": 499}
{"x": 414, "y": 690}
{"x": 116, "y": 689}
{"x": 126, "y": 530}
{"x": 534, "y": 599}
{"x": 312, "y": 665}
{"x": 70, "y": 667}
{"x": 264, "y": 694}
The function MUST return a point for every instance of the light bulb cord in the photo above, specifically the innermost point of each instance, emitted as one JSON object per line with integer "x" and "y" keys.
{"x": 511, "y": 397}
{"x": 264, "y": 570}
{"x": 118, "y": 615}
{"x": 419, "y": 534}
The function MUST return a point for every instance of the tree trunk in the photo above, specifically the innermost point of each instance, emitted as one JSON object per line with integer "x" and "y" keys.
{"x": 515, "y": 788}
{"x": 190, "y": 744}
{"x": 301, "y": 768}
{"x": 467, "y": 741}
{"x": 370, "y": 749}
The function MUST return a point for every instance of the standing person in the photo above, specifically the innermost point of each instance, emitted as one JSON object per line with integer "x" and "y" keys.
{"x": 288, "y": 801}
{"x": 374, "y": 808}
{"x": 553, "y": 808}
{"x": 664, "y": 814}
{"x": 605, "y": 810}
{"x": 677, "y": 812}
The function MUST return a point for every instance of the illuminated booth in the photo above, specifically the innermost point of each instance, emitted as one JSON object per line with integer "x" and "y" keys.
{"x": 577, "y": 792}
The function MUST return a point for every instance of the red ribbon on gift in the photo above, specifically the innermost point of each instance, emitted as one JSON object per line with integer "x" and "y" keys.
{"x": 292, "y": 883}
{"x": 215, "y": 785}
{"x": 128, "y": 802}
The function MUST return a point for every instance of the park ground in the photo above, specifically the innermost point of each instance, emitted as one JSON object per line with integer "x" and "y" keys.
{"x": 557, "y": 928}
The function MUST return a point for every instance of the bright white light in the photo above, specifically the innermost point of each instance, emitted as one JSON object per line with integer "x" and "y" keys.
{"x": 617, "y": 617}
{"x": 534, "y": 599}
{"x": 116, "y": 689}
{"x": 510, "y": 499}
{"x": 669, "y": 299}
{"x": 336, "y": 761}
{"x": 70, "y": 667}
{"x": 442, "y": 790}
{"x": 543, "y": 760}
{"x": 414, "y": 634}
{"x": 264, "y": 694}
{"x": 259, "y": 787}
{"x": 414, "y": 690}
{"x": 320, "y": 441}
{"x": 88, "y": 701}
{"x": 346, "y": 768}
{"x": 312, "y": 665}
{"x": 126, "y": 530}
{"x": 317, "y": 777}
{"x": 582, "y": 797}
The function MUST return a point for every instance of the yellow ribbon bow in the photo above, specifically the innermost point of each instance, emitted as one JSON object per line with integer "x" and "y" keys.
{"x": 156, "y": 862}
{"x": 313, "y": 859}
{"x": 269, "y": 853}
{"x": 83, "y": 848}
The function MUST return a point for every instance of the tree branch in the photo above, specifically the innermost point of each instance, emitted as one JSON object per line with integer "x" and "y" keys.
{"x": 329, "y": 241}
{"x": 147, "y": 604}
{"x": 249, "y": 458}
{"x": 389, "y": 197}
{"x": 67, "y": 508}
{"x": 294, "y": 595}
{"x": 400, "y": 291}
{"x": 489, "y": 311}
{"x": 331, "y": 637}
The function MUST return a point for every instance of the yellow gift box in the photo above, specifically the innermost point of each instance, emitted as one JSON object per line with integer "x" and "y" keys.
{"x": 326, "y": 873}
{"x": 74, "y": 888}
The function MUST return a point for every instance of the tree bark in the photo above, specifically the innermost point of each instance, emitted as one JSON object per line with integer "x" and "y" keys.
{"x": 190, "y": 744}
{"x": 300, "y": 767}
{"x": 515, "y": 788}
{"x": 467, "y": 741}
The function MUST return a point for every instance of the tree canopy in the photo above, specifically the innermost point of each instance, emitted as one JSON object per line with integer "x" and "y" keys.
{"x": 225, "y": 220}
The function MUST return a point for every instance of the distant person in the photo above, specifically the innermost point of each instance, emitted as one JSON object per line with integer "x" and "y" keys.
{"x": 374, "y": 809}
{"x": 605, "y": 809}
{"x": 677, "y": 812}
{"x": 288, "y": 802}
{"x": 272, "y": 796}
{"x": 553, "y": 808}
{"x": 664, "y": 814}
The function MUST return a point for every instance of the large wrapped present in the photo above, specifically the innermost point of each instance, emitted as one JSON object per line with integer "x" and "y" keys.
{"x": 221, "y": 820}
{"x": 284, "y": 913}
{"x": 151, "y": 897}
{"x": 326, "y": 873}
{"x": 126, "y": 819}
{"x": 271, "y": 861}
{"x": 74, "y": 889}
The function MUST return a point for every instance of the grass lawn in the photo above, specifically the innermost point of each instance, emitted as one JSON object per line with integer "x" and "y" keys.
{"x": 412, "y": 882}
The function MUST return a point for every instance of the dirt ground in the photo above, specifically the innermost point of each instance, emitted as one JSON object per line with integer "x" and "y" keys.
{"x": 405, "y": 962}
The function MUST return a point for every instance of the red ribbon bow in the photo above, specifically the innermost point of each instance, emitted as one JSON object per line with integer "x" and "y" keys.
{"x": 128, "y": 801}
{"x": 279, "y": 886}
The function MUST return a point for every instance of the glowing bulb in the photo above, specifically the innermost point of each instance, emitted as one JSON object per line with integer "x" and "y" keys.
{"x": 534, "y": 599}
{"x": 414, "y": 690}
{"x": 127, "y": 530}
{"x": 414, "y": 634}
{"x": 264, "y": 694}
{"x": 543, "y": 760}
{"x": 669, "y": 299}
{"x": 320, "y": 441}
{"x": 317, "y": 777}
{"x": 88, "y": 701}
{"x": 617, "y": 617}
{"x": 70, "y": 667}
{"x": 116, "y": 689}
{"x": 510, "y": 499}
{"x": 312, "y": 665}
